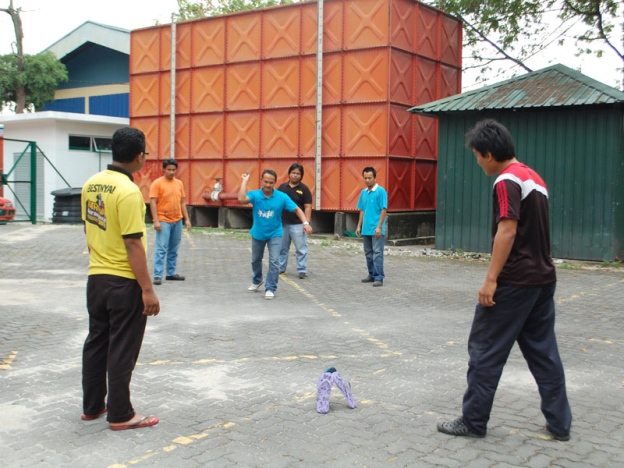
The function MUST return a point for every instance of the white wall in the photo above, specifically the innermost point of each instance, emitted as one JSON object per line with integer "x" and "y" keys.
{"x": 51, "y": 133}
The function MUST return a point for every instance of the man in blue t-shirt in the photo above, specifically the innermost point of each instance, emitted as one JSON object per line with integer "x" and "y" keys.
{"x": 373, "y": 205}
{"x": 268, "y": 206}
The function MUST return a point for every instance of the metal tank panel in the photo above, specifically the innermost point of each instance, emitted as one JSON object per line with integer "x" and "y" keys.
{"x": 246, "y": 95}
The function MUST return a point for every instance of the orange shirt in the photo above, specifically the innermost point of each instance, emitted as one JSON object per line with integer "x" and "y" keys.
{"x": 168, "y": 194}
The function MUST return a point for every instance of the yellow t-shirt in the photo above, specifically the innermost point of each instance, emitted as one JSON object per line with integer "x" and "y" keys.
{"x": 169, "y": 195}
{"x": 112, "y": 208}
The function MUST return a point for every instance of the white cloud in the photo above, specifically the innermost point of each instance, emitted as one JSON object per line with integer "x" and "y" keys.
{"x": 46, "y": 21}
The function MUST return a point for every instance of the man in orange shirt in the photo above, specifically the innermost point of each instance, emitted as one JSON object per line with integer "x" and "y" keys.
{"x": 168, "y": 210}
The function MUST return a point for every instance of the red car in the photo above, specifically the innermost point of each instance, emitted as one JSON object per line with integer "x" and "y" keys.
{"x": 7, "y": 210}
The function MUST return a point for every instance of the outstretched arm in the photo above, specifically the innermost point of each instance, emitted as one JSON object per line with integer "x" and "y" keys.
{"x": 242, "y": 192}
{"x": 304, "y": 219}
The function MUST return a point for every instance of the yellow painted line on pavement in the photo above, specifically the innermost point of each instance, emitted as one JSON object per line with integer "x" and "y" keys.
{"x": 188, "y": 236}
{"x": 581, "y": 295}
{"x": 600, "y": 341}
{"x": 363, "y": 333}
{"x": 380, "y": 344}
{"x": 7, "y": 361}
{"x": 175, "y": 443}
{"x": 575, "y": 297}
{"x": 246, "y": 359}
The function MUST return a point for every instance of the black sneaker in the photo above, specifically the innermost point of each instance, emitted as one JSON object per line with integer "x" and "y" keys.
{"x": 368, "y": 279}
{"x": 377, "y": 284}
{"x": 457, "y": 428}
{"x": 157, "y": 280}
{"x": 175, "y": 277}
{"x": 562, "y": 438}
{"x": 303, "y": 275}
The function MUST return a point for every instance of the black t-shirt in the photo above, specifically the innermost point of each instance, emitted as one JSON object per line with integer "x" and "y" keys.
{"x": 301, "y": 195}
{"x": 521, "y": 194}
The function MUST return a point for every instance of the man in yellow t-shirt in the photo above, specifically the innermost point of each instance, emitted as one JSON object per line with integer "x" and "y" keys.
{"x": 120, "y": 295}
{"x": 168, "y": 209}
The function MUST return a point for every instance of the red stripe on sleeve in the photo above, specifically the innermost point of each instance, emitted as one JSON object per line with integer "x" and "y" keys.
{"x": 503, "y": 199}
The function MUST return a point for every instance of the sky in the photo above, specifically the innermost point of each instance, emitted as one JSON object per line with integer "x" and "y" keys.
{"x": 47, "y": 21}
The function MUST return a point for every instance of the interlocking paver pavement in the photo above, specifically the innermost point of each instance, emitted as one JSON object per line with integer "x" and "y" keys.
{"x": 233, "y": 376}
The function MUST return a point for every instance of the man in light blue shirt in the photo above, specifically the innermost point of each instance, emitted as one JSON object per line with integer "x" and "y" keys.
{"x": 268, "y": 205}
{"x": 373, "y": 205}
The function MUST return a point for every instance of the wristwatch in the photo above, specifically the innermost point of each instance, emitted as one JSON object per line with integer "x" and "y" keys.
{"x": 306, "y": 223}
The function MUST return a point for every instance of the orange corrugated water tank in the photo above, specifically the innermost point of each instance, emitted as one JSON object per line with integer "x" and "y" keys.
{"x": 246, "y": 94}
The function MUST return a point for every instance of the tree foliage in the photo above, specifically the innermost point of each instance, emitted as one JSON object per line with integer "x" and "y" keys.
{"x": 230, "y": 6}
{"x": 600, "y": 18}
{"x": 517, "y": 30}
{"x": 27, "y": 80}
{"x": 40, "y": 77}
{"x": 189, "y": 9}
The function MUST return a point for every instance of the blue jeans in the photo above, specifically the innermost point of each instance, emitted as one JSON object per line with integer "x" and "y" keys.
{"x": 295, "y": 233}
{"x": 167, "y": 244}
{"x": 257, "y": 253}
{"x": 374, "y": 251}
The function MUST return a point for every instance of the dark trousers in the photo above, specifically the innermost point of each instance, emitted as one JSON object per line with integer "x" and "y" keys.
{"x": 116, "y": 329}
{"x": 526, "y": 316}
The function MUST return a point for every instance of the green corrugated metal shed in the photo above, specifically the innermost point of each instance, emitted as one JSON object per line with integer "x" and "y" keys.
{"x": 570, "y": 128}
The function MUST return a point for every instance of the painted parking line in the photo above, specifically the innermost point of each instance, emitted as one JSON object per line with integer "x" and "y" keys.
{"x": 7, "y": 362}
{"x": 175, "y": 444}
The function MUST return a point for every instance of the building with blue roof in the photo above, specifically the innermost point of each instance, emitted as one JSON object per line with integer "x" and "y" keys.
{"x": 97, "y": 61}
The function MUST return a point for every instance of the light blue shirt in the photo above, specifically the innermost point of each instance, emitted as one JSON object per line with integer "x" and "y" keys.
{"x": 267, "y": 213}
{"x": 372, "y": 202}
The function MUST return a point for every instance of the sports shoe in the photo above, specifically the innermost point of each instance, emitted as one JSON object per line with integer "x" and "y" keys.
{"x": 562, "y": 438}
{"x": 323, "y": 386}
{"x": 175, "y": 277}
{"x": 157, "y": 280}
{"x": 377, "y": 283}
{"x": 457, "y": 427}
{"x": 368, "y": 279}
{"x": 269, "y": 295}
{"x": 303, "y": 275}
{"x": 255, "y": 287}
{"x": 345, "y": 388}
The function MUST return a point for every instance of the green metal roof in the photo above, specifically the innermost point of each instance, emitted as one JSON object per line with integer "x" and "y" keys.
{"x": 554, "y": 86}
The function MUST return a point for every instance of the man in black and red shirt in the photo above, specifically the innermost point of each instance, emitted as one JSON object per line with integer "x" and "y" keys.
{"x": 516, "y": 300}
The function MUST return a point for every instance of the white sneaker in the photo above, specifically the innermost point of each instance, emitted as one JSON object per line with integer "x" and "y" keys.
{"x": 255, "y": 287}
{"x": 269, "y": 295}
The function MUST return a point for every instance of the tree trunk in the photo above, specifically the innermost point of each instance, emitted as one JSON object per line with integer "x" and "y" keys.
{"x": 20, "y": 92}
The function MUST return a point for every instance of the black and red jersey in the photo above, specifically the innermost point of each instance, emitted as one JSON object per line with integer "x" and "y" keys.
{"x": 520, "y": 193}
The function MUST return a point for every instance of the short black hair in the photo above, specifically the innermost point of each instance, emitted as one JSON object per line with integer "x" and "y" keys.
{"x": 270, "y": 172}
{"x": 370, "y": 169}
{"x": 127, "y": 144}
{"x": 169, "y": 162}
{"x": 490, "y": 136}
{"x": 294, "y": 166}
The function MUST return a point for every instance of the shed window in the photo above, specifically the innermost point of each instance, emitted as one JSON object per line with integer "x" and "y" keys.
{"x": 90, "y": 143}
{"x": 102, "y": 144}
{"x": 81, "y": 143}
